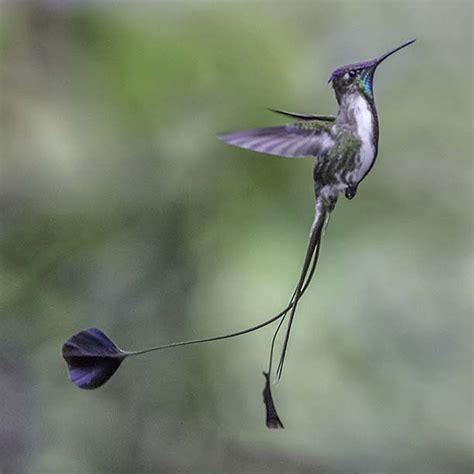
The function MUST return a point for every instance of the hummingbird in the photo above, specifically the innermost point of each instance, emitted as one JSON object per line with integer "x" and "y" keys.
{"x": 344, "y": 147}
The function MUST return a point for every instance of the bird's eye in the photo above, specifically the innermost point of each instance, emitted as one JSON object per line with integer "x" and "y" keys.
{"x": 350, "y": 74}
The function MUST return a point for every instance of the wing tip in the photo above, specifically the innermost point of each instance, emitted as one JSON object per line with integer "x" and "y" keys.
{"x": 226, "y": 137}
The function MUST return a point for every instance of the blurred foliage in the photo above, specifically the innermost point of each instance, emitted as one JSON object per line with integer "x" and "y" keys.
{"x": 121, "y": 210}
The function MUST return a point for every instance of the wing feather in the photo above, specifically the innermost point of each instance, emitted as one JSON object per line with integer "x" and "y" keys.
{"x": 295, "y": 140}
{"x": 300, "y": 116}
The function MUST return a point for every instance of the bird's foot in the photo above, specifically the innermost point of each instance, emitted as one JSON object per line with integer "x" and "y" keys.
{"x": 351, "y": 191}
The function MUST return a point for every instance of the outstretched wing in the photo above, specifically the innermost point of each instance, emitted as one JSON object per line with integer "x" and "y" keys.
{"x": 300, "y": 116}
{"x": 295, "y": 140}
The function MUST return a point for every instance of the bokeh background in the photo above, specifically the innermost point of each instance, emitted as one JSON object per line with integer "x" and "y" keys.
{"x": 120, "y": 209}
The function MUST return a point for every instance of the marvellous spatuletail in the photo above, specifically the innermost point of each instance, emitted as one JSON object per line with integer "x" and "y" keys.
{"x": 344, "y": 147}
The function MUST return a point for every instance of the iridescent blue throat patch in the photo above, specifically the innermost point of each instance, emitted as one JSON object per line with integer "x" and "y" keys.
{"x": 365, "y": 81}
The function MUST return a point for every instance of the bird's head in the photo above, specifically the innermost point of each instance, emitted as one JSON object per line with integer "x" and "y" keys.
{"x": 359, "y": 77}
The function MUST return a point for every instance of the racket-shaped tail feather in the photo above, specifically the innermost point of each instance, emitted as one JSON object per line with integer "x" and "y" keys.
{"x": 92, "y": 358}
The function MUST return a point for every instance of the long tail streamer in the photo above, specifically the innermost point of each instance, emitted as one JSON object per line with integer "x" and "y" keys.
{"x": 92, "y": 357}
{"x": 307, "y": 273}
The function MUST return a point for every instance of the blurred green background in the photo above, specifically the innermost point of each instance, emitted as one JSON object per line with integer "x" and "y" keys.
{"x": 120, "y": 209}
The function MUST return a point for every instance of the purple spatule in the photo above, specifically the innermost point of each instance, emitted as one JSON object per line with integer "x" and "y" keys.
{"x": 92, "y": 358}
{"x": 272, "y": 418}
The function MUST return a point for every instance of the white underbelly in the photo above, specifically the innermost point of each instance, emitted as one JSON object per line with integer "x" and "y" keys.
{"x": 366, "y": 158}
{"x": 365, "y": 132}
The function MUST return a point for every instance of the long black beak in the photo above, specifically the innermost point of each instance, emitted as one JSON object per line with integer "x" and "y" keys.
{"x": 386, "y": 55}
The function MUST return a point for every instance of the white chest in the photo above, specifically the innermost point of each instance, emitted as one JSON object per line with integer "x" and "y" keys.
{"x": 365, "y": 131}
